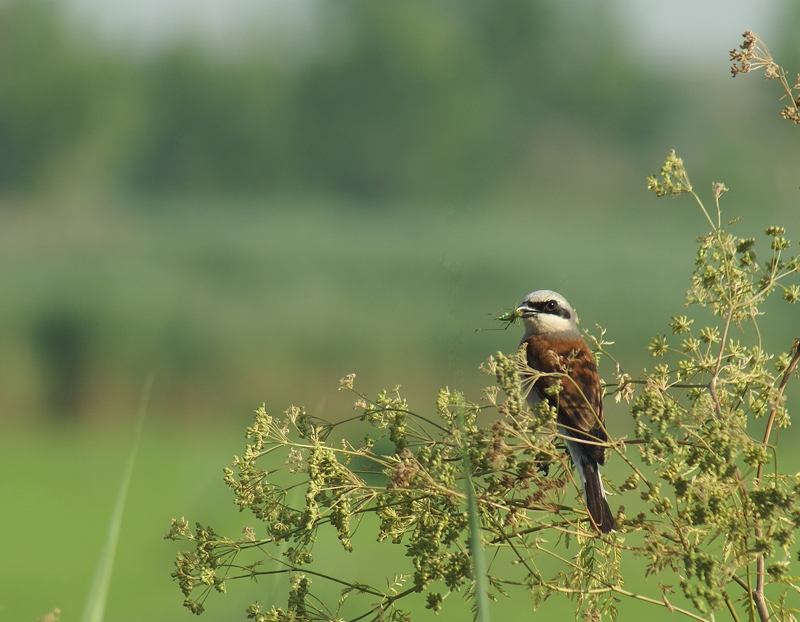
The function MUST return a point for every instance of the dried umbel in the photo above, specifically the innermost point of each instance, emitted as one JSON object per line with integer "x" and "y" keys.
{"x": 752, "y": 55}
{"x": 672, "y": 179}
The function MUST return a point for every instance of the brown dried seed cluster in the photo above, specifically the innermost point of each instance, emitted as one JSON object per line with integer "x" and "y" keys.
{"x": 792, "y": 113}
{"x": 753, "y": 54}
{"x": 745, "y": 56}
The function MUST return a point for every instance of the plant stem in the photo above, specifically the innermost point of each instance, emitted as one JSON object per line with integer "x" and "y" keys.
{"x": 712, "y": 385}
{"x": 758, "y": 593}
{"x": 771, "y": 419}
{"x": 729, "y": 604}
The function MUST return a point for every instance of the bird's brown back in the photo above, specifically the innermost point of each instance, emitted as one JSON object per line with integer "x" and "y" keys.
{"x": 580, "y": 402}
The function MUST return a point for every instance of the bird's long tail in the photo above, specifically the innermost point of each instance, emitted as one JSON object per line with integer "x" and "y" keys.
{"x": 593, "y": 492}
{"x": 596, "y": 498}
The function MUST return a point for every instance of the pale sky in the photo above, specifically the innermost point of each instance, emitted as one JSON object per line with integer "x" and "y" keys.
{"x": 689, "y": 32}
{"x": 696, "y": 31}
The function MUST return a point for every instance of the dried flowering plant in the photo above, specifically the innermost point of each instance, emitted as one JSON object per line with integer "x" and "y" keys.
{"x": 717, "y": 518}
{"x": 754, "y": 54}
{"x": 737, "y": 513}
{"x": 702, "y": 499}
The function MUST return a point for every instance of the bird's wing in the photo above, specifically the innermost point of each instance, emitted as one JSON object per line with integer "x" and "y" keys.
{"x": 580, "y": 402}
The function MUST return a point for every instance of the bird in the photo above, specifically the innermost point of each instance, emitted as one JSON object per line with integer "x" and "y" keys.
{"x": 554, "y": 345}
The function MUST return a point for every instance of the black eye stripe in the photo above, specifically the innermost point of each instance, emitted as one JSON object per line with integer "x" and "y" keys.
{"x": 551, "y": 307}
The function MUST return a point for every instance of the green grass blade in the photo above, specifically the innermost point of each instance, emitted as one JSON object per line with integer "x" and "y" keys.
{"x": 96, "y": 601}
{"x": 475, "y": 546}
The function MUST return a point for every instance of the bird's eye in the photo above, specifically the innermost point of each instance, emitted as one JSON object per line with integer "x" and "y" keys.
{"x": 550, "y": 305}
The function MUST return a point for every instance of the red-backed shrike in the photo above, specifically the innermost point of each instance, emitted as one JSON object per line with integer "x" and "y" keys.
{"x": 555, "y": 346}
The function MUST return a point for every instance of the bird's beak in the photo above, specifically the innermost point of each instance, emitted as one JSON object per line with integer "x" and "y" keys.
{"x": 524, "y": 311}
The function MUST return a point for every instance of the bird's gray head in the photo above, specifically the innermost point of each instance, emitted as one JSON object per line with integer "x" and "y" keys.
{"x": 545, "y": 312}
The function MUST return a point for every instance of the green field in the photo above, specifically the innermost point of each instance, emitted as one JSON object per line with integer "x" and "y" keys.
{"x": 231, "y": 303}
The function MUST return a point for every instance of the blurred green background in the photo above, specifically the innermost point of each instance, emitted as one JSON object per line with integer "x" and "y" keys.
{"x": 251, "y": 213}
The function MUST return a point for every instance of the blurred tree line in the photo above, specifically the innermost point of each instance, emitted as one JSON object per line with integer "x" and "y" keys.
{"x": 395, "y": 98}
{"x": 468, "y": 103}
